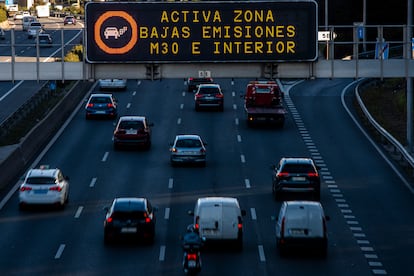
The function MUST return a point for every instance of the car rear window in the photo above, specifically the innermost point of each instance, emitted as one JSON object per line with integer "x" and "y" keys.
{"x": 128, "y": 215}
{"x": 298, "y": 168}
{"x": 100, "y": 100}
{"x": 41, "y": 180}
{"x": 188, "y": 143}
{"x": 131, "y": 125}
{"x": 208, "y": 90}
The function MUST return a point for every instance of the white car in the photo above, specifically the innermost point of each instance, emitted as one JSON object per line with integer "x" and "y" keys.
{"x": 44, "y": 186}
{"x": 108, "y": 84}
{"x": 188, "y": 148}
{"x": 301, "y": 224}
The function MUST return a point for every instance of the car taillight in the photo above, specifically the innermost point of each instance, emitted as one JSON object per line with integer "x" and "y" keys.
{"x": 120, "y": 131}
{"x": 147, "y": 220}
{"x": 313, "y": 174}
{"x": 90, "y": 105}
{"x": 198, "y": 96}
{"x": 109, "y": 220}
{"x": 240, "y": 223}
{"x": 55, "y": 188}
{"x": 219, "y": 96}
{"x": 192, "y": 256}
{"x": 110, "y": 105}
{"x": 283, "y": 174}
{"x": 197, "y": 225}
{"x": 23, "y": 189}
{"x": 202, "y": 150}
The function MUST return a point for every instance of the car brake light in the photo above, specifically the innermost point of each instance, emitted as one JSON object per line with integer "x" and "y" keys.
{"x": 121, "y": 131}
{"x": 110, "y": 105}
{"x": 109, "y": 220}
{"x": 199, "y": 96}
{"x": 283, "y": 174}
{"x": 192, "y": 256}
{"x": 90, "y": 105}
{"x": 240, "y": 224}
{"x": 219, "y": 95}
{"x": 313, "y": 174}
{"x": 23, "y": 189}
{"x": 147, "y": 220}
{"x": 196, "y": 225}
{"x": 55, "y": 188}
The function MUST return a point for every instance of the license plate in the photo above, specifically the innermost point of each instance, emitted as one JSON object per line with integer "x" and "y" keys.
{"x": 128, "y": 230}
{"x": 299, "y": 178}
{"x": 209, "y": 98}
{"x": 100, "y": 112}
{"x": 209, "y": 231}
{"x": 192, "y": 264}
{"x": 42, "y": 191}
{"x": 297, "y": 231}
{"x": 131, "y": 131}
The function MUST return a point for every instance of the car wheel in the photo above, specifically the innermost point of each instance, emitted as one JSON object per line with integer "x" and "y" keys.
{"x": 116, "y": 146}
{"x": 148, "y": 145}
{"x": 277, "y": 195}
{"x": 197, "y": 108}
{"x": 317, "y": 196}
{"x": 22, "y": 206}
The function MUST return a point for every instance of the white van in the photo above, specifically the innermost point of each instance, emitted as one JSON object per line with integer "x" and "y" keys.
{"x": 301, "y": 224}
{"x": 219, "y": 218}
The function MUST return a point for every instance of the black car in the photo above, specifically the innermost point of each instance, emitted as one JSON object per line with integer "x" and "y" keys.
{"x": 132, "y": 131}
{"x": 193, "y": 83}
{"x": 296, "y": 175}
{"x": 101, "y": 105}
{"x": 209, "y": 96}
{"x": 130, "y": 217}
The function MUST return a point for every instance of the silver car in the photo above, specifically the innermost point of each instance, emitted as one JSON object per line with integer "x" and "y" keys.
{"x": 188, "y": 149}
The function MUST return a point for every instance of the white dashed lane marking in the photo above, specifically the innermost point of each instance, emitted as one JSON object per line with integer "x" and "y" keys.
{"x": 105, "y": 157}
{"x": 93, "y": 182}
{"x": 60, "y": 251}
{"x": 346, "y": 211}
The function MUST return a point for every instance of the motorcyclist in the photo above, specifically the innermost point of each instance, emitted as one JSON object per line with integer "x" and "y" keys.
{"x": 191, "y": 243}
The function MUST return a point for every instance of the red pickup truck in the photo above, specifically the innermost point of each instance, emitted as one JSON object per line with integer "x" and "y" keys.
{"x": 263, "y": 103}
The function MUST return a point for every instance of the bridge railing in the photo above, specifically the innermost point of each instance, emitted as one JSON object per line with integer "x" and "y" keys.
{"x": 380, "y": 52}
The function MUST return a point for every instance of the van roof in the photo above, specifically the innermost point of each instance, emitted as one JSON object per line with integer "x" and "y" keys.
{"x": 214, "y": 200}
{"x": 303, "y": 208}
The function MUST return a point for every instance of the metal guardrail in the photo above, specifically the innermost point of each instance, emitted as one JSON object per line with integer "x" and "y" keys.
{"x": 31, "y": 104}
{"x": 397, "y": 147}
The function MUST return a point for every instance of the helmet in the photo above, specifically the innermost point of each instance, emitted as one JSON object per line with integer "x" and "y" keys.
{"x": 190, "y": 228}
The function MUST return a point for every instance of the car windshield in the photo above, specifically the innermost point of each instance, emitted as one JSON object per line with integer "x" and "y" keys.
{"x": 100, "y": 100}
{"x": 41, "y": 180}
{"x": 188, "y": 143}
{"x": 298, "y": 168}
{"x": 131, "y": 125}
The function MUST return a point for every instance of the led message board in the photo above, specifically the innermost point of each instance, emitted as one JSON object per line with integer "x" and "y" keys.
{"x": 171, "y": 32}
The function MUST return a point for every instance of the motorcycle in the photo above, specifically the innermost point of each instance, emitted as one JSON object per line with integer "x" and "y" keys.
{"x": 192, "y": 244}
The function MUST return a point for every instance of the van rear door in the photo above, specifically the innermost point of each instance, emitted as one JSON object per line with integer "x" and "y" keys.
{"x": 210, "y": 221}
{"x": 230, "y": 222}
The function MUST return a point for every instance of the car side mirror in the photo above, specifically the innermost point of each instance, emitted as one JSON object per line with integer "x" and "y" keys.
{"x": 243, "y": 212}
{"x": 67, "y": 177}
{"x": 190, "y": 213}
{"x": 272, "y": 167}
{"x": 327, "y": 218}
{"x": 106, "y": 209}
{"x": 155, "y": 208}
{"x": 151, "y": 124}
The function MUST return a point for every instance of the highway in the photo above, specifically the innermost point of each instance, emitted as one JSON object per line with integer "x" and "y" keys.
{"x": 370, "y": 230}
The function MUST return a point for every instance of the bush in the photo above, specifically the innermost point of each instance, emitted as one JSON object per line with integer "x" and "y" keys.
{"x": 75, "y": 55}
{"x": 3, "y": 13}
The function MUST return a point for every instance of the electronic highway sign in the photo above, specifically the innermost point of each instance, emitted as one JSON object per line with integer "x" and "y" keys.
{"x": 171, "y": 32}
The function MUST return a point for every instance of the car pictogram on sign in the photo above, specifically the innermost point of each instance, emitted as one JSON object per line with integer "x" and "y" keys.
{"x": 111, "y": 32}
